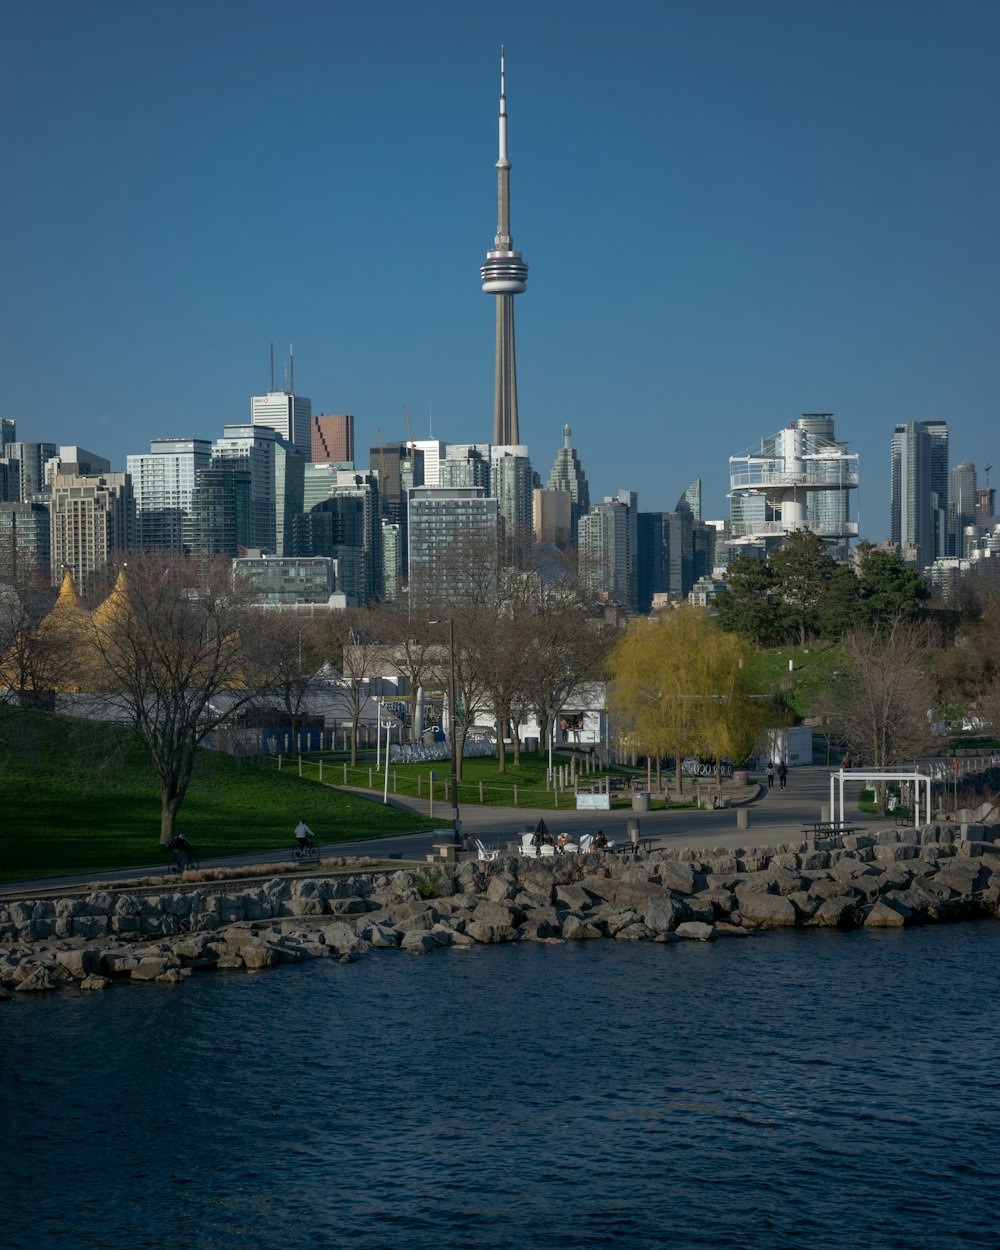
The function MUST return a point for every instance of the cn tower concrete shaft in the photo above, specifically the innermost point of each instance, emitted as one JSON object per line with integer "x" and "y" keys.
{"x": 504, "y": 275}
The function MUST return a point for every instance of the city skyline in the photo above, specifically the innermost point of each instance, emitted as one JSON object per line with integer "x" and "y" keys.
{"x": 734, "y": 217}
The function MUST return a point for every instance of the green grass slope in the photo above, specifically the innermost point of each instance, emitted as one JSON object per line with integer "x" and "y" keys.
{"x": 78, "y": 796}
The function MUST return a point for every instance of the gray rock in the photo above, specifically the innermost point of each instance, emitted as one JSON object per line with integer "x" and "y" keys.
{"x": 838, "y": 912}
{"x": 576, "y": 929}
{"x": 765, "y": 911}
{"x": 149, "y": 969}
{"x": 39, "y": 980}
{"x": 677, "y": 876}
{"x": 95, "y": 982}
{"x": 418, "y": 943}
{"x": 882, "y": 916}
{"x": 573, "y": 897}
{"x": 661, "y": 915}
{"x": 697, "y": 930}
{"x": 81, "y": 961}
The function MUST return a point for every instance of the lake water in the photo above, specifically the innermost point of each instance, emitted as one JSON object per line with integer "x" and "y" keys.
{"x": 781, "y": 1092}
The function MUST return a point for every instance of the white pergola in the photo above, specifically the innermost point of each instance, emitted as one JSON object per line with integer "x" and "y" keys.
{"x": 921, "y": 788}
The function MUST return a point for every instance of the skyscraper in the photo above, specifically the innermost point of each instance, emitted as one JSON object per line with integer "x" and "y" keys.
{"x": 608, "y": 551}
{"x": 961, "y": 505}
{"x": 332, "y": 438}
{"x": 287, "y": 414}
{"x": 163, "y": 481}
{"x": 568, "y": 475}
{"x": 911, "y": 512}
{"x": 92, "y": 517}
{"x": 504, "y": 275}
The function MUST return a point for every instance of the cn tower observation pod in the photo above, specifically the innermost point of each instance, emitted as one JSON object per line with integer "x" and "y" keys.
{"x": 797, "y": 480}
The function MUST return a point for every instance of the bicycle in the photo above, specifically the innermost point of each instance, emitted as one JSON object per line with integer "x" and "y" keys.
{"x": 186, "y": 863}
{"x": 306, "y": 849}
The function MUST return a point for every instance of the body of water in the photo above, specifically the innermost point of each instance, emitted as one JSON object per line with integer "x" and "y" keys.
{"x": 786, "y": 1091}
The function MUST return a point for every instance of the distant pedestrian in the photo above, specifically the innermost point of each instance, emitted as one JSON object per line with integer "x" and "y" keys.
{"x": 847, "y": 762}
{"x": 782, "y": 774}
{"x": 770, "y": 774}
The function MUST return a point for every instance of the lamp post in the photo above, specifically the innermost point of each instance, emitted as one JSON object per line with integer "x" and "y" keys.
{"x": 456, "y": 822}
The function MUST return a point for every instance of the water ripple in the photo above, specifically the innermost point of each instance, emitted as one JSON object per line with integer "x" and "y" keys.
{"x": 806, "y": 1091}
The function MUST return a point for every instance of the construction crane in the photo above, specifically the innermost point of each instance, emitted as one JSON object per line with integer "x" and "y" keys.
{"x": 986, "y": 470}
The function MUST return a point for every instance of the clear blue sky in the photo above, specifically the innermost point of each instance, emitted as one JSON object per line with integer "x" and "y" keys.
{"x": 733, "y": 211}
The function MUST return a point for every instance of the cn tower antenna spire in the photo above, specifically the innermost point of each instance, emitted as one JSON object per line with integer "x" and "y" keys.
{"x": 504, "y": 275}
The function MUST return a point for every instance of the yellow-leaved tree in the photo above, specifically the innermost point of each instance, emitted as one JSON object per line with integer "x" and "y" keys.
{"x": 679, "y": 686}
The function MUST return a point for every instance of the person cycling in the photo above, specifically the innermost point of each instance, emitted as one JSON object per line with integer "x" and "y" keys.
{"x": 182, "y": 850}
{"x": 304, "y": 836}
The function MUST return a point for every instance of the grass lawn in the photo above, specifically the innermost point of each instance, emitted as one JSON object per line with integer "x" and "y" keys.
{"x": 77, "y": 796}
{"x": 413, "y": 780}
{"x": 811, "y": 675}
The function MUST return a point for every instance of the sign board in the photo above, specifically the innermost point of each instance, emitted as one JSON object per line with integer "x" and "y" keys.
{"x": 593, "y": 802}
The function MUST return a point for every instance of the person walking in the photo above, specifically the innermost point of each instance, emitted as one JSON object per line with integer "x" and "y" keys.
{"x": 782, "y": 774}
{"x": 770, "y": 774}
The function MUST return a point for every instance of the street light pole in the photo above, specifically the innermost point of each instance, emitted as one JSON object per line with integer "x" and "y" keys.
{"x": 456, "y": 823}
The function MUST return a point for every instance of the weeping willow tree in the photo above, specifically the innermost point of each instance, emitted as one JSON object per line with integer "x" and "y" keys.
{"x": 679, "y": 686}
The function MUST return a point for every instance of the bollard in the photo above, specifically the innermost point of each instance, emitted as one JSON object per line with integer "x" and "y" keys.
{"x": 321, "y": 770}
{"x": 480, "y": 792}
{"x": 515, "y": 796}
{"x": 279, "y": 763}
{"x": 395, "y": 788}
{"x": 369, "y": 778}
{"x": 742, "y": 818}
{"x": 419, "y": 779}
{"x": 345, "y": 774}
{"x": 300, "y": 765}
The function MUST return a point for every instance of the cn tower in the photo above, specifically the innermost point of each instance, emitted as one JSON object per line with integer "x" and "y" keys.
{"x": 504, "y": 275}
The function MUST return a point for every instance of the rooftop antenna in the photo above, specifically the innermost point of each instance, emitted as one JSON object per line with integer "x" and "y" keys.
{"x": 272, "y": 366}
{"x": 291, "y": 369}
{"x": 986, "y": 470}
{"x": 430, "y": 420}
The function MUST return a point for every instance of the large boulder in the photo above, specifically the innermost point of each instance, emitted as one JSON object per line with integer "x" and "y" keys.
{"x": 661, "y": 915}
{"x": 492, "y": 922}
{"x": 677, "y": 876}
{"x": 576, "y": 929}
{"x": 765, "y": 911}
{"x": 883, "y": 916}
{"x": 696, "y": 929}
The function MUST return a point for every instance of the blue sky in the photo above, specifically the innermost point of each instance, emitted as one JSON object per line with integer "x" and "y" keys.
{"x": 733, "y": 212}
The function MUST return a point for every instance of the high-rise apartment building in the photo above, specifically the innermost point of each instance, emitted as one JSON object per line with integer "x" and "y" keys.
{"x": 332, "y": 438}
{"x": 511, "y": 484}
{"x": 608, "y": 549}
{"x": 289, "y": 415}
{"x": 32, "y": 459}
{"x": 8, "y": 433}
{"x": 961, "y": 505}
{"x": 919, "y": 490}
{"x": 92, "y": 517}
{"x": 163, "y": 481}
{"x": 253, "y": 448}
{"x": 504, "y": 275}
{"x": 221, "y": 517}
{"x": 25, "y": 546}
{"x": 453, "y": 539}
{"x": 289, "y": 493}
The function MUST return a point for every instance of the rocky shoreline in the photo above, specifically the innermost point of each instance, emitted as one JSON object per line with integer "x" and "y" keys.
{"x": 890, "y": 879}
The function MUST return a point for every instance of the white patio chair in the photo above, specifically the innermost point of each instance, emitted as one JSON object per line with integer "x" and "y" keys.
{"x": 484, "y": 852}
{"x": 547, "y": 850}
{"x": 585, "y": 842}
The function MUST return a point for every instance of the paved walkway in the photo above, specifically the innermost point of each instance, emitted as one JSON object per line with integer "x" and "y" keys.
{"x": 774, "y": 817}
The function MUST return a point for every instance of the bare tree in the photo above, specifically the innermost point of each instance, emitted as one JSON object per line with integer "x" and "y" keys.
{"x": 882, "y": 703}
{"x": 289, "y": 651}
{"x": 411, "y": 651}
{"x": 169, "y": 642}
{"x": 363, "y": 655}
